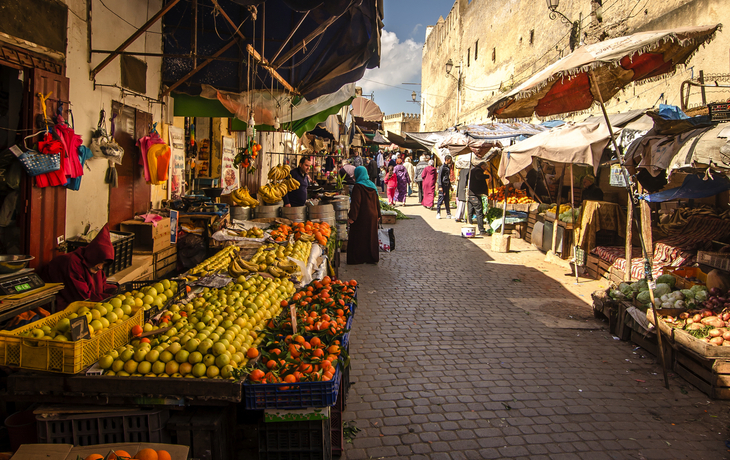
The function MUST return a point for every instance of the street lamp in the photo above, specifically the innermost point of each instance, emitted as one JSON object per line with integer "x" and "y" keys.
{"x": 575, "y": 25}
{"x": 449, "y": 68}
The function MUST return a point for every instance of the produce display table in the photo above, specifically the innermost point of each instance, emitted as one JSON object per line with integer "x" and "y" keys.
{"x": 229, "y": 404}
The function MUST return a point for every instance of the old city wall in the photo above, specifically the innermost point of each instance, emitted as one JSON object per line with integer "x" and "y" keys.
{"x": 501, "y": 43}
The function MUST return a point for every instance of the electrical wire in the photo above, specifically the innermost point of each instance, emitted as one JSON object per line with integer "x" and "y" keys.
{"x": 136, "y": 27}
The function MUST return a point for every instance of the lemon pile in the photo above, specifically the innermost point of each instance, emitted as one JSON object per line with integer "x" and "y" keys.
{"x": 209, "y": 336}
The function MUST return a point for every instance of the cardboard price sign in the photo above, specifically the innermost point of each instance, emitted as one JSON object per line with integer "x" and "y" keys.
{"x": 80, "y": 328}
{"x": 293, "y": 311}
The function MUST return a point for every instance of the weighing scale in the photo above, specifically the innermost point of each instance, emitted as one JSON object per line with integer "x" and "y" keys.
{"x": 19, "y": 282}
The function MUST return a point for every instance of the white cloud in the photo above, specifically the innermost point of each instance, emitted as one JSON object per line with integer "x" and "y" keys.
{"x": 400, "y": 62}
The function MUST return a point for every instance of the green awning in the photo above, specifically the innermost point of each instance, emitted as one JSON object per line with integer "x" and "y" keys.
{"x": 196, "y": 106}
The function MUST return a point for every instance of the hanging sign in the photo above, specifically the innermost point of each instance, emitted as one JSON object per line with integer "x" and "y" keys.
{"x": 617, "y": 177}
{"x": 176, "y": 187}
{"x": 229, "y": 172}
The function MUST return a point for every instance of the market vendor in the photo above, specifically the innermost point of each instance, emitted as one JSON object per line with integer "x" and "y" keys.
{"x": 298, "y": 197}
{"x": 478, "y": 187}
{"x": 81, "y": 272}
{"x": 591, "y": 192}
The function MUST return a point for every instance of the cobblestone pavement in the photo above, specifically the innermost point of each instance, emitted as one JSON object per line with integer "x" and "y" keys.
{"x": 460, "y": 353}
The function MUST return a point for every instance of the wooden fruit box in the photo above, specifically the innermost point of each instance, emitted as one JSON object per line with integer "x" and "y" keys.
{"x": 702, "y": 349}
{"x": 710, "y": 376}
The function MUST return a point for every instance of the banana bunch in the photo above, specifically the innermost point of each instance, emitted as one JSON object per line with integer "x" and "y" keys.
{"x": 287, "y": 265}
{"x": 279, "y": 173}
{"x": 273, "y": 193}
{"x": 239, "y": 267}
{"x": 306, "y": 237}
{"x": 242, "y": 197}
{"x": 291, "y": 183}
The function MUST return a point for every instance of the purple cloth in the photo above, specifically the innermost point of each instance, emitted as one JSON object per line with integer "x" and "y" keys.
{"x": 401, "y": 173}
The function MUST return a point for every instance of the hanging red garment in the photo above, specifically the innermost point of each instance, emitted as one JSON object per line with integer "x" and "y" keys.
{"x": 144, "y": 144}
{"x": 49, "y": 146}
{"x": 73, "y": 141}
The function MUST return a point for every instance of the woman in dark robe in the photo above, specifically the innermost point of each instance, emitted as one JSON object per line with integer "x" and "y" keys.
{"x": 81, "y": 272}
{"x": 403, "y": 180}
{"x": 363, "y": 217}
{"x": 429, "y": 184}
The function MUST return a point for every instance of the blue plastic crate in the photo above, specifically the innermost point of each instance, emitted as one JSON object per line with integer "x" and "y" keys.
{"x": 299, "y": 395}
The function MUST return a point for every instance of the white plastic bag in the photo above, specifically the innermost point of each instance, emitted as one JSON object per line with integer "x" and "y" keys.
{"x": 386, "y": 239}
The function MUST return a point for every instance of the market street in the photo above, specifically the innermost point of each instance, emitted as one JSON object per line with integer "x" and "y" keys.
{"x": 458, "y": 352}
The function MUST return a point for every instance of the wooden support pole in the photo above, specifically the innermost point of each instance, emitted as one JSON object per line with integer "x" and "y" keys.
{"x": 251, "y": 51}
{"x": 557, "y": 212}
{"x": 629, "y": 236}
{"x": 572, "y": 218}
{"x": 132, "y": 38}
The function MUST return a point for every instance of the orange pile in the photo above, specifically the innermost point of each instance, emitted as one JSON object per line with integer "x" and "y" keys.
{"x": 144, "y": 454}
{"x": 319, "y": 230}
{"x": 297, "y": 360}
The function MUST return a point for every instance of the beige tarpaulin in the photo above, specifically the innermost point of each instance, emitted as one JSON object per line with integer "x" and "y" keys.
{"x": 572, "y": 143}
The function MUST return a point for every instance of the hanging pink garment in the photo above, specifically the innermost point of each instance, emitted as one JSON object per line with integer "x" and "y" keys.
{"x": 73, "y": 141}
{"x": 144, "y": 144}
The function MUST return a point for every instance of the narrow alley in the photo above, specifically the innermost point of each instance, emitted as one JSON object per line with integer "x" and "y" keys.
{"x": 462, "y": 353}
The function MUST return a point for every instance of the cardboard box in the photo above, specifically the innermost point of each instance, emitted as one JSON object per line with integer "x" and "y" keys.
{"x": 148, "y": 238}
{"x": 69, "y": 452}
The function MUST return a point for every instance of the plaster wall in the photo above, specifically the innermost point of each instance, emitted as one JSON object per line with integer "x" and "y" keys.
{"x": 500, "y": 43}
{"x": 399, "y": 123}
{"x": 91, "y": 203}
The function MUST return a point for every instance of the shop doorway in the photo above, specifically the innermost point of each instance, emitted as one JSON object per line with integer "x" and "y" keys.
{"x": 132, "y": 196}
{"x": 11, "y": 172}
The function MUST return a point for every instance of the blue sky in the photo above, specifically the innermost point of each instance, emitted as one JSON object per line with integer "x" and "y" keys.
{"x": 403, "y": 34}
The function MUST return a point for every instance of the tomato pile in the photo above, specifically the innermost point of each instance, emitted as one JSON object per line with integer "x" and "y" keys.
{"x": 322, "y": 311}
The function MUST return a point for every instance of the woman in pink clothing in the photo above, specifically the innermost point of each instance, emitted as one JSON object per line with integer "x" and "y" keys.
{"x": 391, "y": 181}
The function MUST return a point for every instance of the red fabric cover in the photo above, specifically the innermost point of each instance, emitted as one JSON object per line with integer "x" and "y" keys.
{"x": 646, "y": 65}
{"x": 566, "y": 95}
{"x": 49, "y": 146}
{"x": 72, "y": 270}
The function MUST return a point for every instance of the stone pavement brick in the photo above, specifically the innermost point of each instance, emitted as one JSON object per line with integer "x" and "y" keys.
{"x": 439, "y": 371}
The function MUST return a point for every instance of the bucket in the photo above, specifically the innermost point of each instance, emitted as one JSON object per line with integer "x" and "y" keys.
{"x": 268, "y": 211}
{"x": 340, "y": 204}
{"x": 294, "y": 213}
{"x": 341, "y": 215}
{"x": 22, "y": 429}
{"x": 342, "y": 232}
{"x": 241, "y": 213}
{"x": 468, "y": 231}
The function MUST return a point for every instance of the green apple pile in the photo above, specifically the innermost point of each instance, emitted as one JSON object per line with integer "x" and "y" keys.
{"x": 154, "y": 295}
{"x": 209, "y": 337}
{"x": 100, "y": 317}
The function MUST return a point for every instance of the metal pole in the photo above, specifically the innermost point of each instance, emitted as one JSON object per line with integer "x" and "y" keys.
{"x": 572, "y": 215}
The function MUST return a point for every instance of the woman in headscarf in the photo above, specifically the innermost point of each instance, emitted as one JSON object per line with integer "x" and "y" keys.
{"x": 403, "y": 180}
{"x": 81, "y": 272}
{"x": 429, "y": 184}
{"x": 411, "y": 173}
{"x": 391, "y": 182}
{"x": 363, "y": 217}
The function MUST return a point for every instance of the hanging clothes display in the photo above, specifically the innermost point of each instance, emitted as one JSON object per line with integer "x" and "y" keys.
{"x": 85, "y": 153}
{"x": 71, "y": 163}
{"x": 155, "y": 157}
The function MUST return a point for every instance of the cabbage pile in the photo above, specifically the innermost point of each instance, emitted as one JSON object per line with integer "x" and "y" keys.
{"x": 664, "y": 295}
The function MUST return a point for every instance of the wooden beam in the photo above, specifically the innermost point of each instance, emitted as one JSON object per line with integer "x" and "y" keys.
{"x": 291, "y": 34}
{"x": 629, "y": 236}
{"x": 132, "y": 38}
{"x": 300, "y": 45}
{"x": 198, "y": 67}
{"x": 255, "y": 54}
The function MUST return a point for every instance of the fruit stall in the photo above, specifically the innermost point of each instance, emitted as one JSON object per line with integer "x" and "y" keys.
{"x": 693, "y": 313}
{"x": 222, "y": 359}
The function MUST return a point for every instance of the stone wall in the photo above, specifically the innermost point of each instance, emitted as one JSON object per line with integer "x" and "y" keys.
{"x": 399, "y": 123}
{"x": 497, "y": 44}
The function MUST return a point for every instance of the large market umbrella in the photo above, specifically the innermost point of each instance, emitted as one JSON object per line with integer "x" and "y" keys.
{"x": 566, "y": 85}
{"x": 593, "y": 73}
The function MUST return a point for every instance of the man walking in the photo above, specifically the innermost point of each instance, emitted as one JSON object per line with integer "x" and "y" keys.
{"x": 444, "y": 185}
{"x": 372, "y": 168}
{"x": 357, "y": 159}
{"x": 477, "y": 188}
{"x": 422, "y": 163}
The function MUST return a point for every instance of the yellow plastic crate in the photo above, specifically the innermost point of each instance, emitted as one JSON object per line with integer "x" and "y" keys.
{"x": 65, "y": 357}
